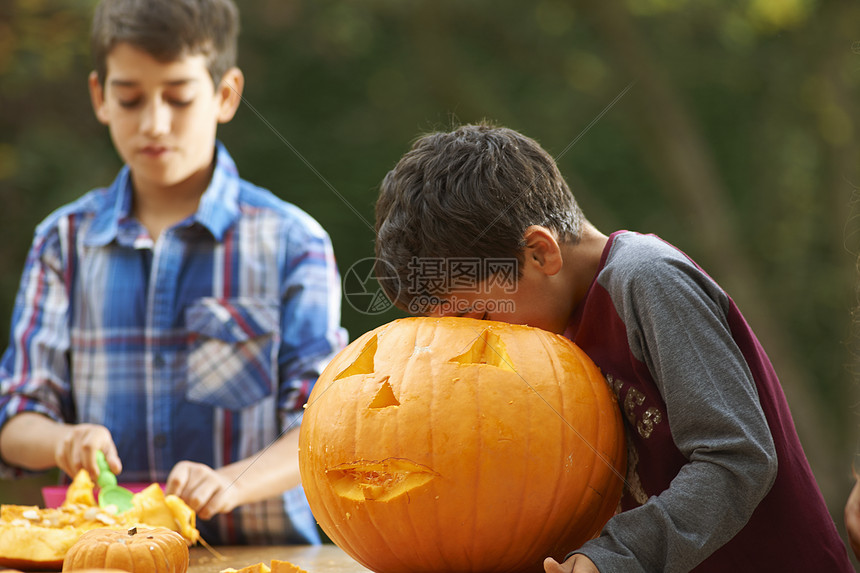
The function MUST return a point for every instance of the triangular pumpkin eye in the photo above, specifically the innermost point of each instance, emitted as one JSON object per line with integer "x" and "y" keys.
{"x": 487, "y": 349}
{"x": 364, "y": 363}
{"x": 384, "y": 397}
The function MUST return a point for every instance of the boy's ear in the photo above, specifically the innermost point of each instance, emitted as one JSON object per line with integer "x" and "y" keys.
{"x": 230, "y": 94}
{"x": 97, "y": 96}
{"x": 542, "y": 250}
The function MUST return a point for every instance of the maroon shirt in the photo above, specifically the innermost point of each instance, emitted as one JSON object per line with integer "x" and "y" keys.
{"x": 718, "y": 479}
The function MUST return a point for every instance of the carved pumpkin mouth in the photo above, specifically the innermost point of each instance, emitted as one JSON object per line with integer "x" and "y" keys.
{"x": 381, "y": 480}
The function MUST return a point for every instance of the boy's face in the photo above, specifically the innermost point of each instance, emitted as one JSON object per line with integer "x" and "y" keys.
{"x": 162, "y": 116}
{"x": 547, "y": 290}
{"x": 527, "y": 302}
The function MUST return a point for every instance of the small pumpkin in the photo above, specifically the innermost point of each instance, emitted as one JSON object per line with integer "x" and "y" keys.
{"x": 454, "y": 444}
{"x": 137, "y": 550}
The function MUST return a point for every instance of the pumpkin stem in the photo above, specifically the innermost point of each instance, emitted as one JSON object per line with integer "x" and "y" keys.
{"x": 132, "y": 531}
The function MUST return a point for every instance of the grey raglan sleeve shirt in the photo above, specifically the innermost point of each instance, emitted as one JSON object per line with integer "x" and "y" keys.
{"x": 676, "y": 320}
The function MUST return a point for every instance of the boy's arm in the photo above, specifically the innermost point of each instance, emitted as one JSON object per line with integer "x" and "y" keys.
{"x": 259, "y": 477}
{"x": 35, "y": 394}
{"x": 311, "y": 333}
{"x": 677, "y": 325}
{"x": 36, "y": 442}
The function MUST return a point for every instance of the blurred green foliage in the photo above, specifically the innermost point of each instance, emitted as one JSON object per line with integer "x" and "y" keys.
{"x": 337, "y": 90}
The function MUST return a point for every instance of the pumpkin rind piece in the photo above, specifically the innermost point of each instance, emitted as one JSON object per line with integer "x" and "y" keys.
{"x": 39, "y": 548}
{"x": 279, "y": 566}
{"x": 81, "y": 490}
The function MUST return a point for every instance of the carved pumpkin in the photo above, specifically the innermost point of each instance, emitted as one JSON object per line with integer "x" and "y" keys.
{"x": 453, "y": 444}
{"x": 137, "y": 550}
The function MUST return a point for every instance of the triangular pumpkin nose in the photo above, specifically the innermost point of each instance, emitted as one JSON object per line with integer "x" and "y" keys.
{"x": 385, "y": 397}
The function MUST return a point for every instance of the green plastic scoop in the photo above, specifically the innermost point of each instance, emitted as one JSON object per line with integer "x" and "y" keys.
{"x": 109, "y": 492}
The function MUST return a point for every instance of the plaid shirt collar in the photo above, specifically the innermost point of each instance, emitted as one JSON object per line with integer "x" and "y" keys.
{"x": 218, "y": 210}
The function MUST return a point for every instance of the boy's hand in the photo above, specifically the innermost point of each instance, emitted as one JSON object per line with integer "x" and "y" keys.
{"x": 576, "y": 564}
{"x": 204, "y": 490}
{"x": 78, "y": 446}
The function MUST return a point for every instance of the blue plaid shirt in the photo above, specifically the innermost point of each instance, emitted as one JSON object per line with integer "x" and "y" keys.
{"x": 201, "y": 346}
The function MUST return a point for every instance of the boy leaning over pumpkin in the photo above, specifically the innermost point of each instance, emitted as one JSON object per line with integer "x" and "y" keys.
{"x": 178, "y": 318}
{"x": 717, "y": 479}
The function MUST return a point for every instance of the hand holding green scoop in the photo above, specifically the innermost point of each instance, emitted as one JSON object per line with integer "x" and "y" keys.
{"x": 109, "y": 492}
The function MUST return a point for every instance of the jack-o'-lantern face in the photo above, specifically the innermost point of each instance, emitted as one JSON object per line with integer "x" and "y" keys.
{"x": 433, "y": 443}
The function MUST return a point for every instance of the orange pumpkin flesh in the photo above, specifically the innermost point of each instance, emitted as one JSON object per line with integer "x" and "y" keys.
{"x": 138, "y": 550}
{"x": 452, "y": 444}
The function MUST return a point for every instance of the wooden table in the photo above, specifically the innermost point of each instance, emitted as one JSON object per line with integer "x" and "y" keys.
{"x": 312, "y": 558}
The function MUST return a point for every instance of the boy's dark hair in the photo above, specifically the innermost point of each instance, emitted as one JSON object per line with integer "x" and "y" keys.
{"x": 468, "y": 194}
{"x": 167, "y": 30}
